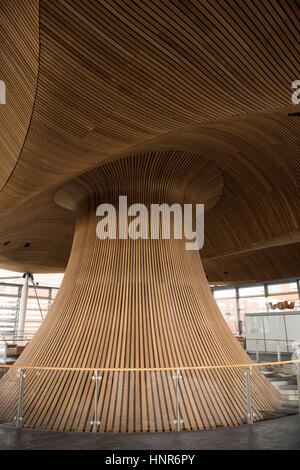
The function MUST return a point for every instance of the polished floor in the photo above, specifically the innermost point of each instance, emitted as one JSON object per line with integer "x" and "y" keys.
{"x": 275, "y": 434}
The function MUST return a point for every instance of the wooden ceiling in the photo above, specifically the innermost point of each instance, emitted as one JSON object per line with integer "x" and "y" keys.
{"x": 94, "y": 81}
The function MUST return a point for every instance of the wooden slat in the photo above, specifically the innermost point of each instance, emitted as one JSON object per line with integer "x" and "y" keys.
{"x": 19, "y": 39}
{"x": 95, "y": 81}
{"x": 129, "y": 304}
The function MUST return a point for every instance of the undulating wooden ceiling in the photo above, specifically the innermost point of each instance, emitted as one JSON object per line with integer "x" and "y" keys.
{"x": 89, "y": 82}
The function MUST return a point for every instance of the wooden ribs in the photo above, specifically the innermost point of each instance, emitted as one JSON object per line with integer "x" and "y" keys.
{"x": 136, "y": 304}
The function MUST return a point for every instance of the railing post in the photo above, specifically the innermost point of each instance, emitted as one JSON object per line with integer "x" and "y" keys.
{"x": 23, "y": 307}
{"x": 19, "y": 416}
{"x": 257, "y": 351}
{"x": 248, "y": 373}
{"x": 177, "y": 421}
{"x": 278, "y": 352}
{"x": 96, "y": 422}
{"x": 298, "y": 378}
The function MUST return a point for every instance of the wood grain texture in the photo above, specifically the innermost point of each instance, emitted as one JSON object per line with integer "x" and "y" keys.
{"x": 19, "y": 39}
{"x": 119, "y": 78}
{"x": 135, "y": 304}
{"x": 259, "y": 209}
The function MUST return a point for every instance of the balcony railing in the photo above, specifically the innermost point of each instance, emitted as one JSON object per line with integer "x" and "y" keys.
{"x": 171, "y": 410}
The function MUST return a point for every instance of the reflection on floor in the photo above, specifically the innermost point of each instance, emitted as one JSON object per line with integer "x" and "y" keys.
{"x": 280, "y": 433}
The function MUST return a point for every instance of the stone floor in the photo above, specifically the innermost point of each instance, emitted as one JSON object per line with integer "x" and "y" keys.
{"x": 281, "y": 433}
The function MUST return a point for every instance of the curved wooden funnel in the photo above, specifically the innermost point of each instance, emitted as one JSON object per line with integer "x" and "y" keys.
{"x": 136, "y": 304}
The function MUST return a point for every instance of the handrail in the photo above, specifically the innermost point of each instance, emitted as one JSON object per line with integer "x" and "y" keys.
{"x": 21, "y": 338}
{"x": 137, "y": 369}
{"x": 14, "y": 338}
{"x": 270, "y": 339}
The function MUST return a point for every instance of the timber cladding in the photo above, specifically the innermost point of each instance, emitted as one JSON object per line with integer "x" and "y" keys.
{"x": 166, "y": 101}
{"x": 135, "y": 304}
{"x": 95, "y": 81}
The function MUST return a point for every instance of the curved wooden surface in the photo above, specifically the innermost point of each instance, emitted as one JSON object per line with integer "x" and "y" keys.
{"x": 136, "y": 304}
{"x": 19, "y": 38}
{"x": 120, "y": 78}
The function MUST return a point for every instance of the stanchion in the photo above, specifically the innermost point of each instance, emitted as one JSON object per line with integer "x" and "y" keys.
{"x": 178, "y": 420}
{"x": 298, "y": 378}
{"x": 248, "y": 373}
{"x": 19, "y": 416}
{"x": 257, "y": 351}
{"x": 95, "y": 423}
{"x": 278, "y": 352}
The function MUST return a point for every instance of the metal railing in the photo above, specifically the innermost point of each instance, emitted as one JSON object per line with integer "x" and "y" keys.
{"x": 278, "y": 342}
{"x": 15, "y": 338}
{"x": 177, "y": 376}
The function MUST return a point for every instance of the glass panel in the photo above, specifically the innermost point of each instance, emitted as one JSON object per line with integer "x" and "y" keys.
{"x": 13, "y": 290}
{"x": 249, "y": 291}
{"x": 8, "y": 301}
{"x": 67, "y": 406}
{"x": 3, "y": 353}
{"x": 33, "y": 315}
{"x": 254, "y": 333}
{"x": 41, "y": 293}
{"x": 33, "y": 303}
{"x": 137, "y": 401}
{"x": 293, "y": 327}
{"x": 253, "y": 305}
{"x": 228, "y": 307}
{"x": 8, "y": 405}
{"x": 274, "y": 327}
{"x": 212, "y": 398}
{"x": 277, "y": 288}
{"x": 224, "y": 293}
{"x": 54, "y": 293}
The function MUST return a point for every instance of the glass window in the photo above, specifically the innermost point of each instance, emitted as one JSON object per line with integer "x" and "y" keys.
{"x": 228, "y": 309}
{"x": 41, "y": 293}
{"x": 286, "y": 302}
{"x": 9, "y": 302}
{"x": 54, "y": 293}
{"x": 12, "y": 290}
{"x": 252, "y": 305}
{"x": 224, "y": 293}
{"x": 33, "y": 303}
{"x": 278, "y": 288}
{"x": 249, "y": 291}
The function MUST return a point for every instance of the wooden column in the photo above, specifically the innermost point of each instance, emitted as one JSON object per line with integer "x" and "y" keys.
{"x": 136, "y": 304}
